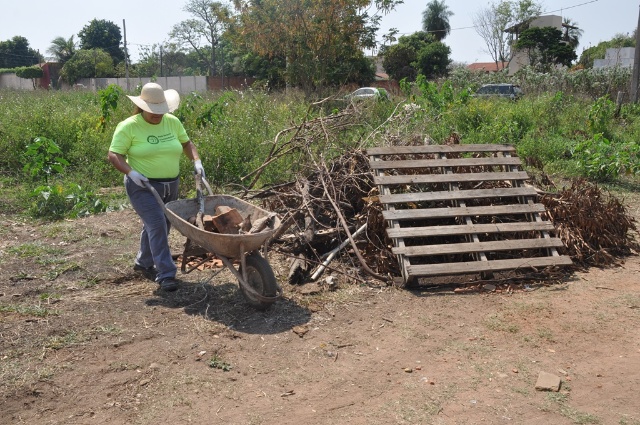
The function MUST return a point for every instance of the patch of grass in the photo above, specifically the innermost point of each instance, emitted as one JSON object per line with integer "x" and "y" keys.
{"x": 33, "y": 311}
{"x": 546, "y": 334}
{"x": 121, "y": 367}
{"x": 69, "y": 339}
{"x": 108, "y": 329}
{"x": 30, "y": 250}
{"x": 497, "y": 322}
{"x": 629, "y": 421}
{"x": 64, "y": 268}
{"x": 559, "y": 402}
{"x": 50, "y": 298}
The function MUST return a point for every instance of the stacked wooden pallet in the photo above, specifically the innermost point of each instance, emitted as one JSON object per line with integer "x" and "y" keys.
{"x": 460, "y": 209}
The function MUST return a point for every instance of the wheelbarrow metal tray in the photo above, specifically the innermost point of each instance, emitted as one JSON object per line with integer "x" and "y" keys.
{"x": 229, "y": 245}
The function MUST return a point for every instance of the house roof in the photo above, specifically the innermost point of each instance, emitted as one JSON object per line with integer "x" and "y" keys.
{"x": 487, "y": 66}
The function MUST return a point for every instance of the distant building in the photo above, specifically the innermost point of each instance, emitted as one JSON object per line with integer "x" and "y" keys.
{"x": 520, "y": 59}
{"x": 622, "y": 57}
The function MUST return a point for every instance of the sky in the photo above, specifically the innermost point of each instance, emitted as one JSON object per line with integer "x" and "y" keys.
{"x": 148, "y": 23}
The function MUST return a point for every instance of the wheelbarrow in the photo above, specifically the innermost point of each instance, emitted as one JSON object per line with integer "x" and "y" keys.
{"x": 257, "y": 281}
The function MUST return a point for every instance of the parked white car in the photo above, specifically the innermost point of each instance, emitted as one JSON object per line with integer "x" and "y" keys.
{"x": 368, "y": 93}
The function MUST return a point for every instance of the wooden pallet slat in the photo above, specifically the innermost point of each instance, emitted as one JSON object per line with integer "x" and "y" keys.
{"x": 397, "y": 198}
{"x": 449, "y": 178}
{"x": 465, "y": 248}
{"x": 422, "y": 213}
{"x": 427, "y": 149}
{"x": 434, "y": 163}
{"x": 462, "y": 229}
{"x": 443, "y": 269}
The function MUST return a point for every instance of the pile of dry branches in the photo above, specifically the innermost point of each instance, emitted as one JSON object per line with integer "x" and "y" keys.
{"x": 330, "y": 209}
{"x": 334, "y": 205}
{"x": 594, "y": 226}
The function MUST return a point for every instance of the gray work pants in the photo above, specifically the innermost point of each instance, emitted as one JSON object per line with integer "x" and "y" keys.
{"x": 154, "y": 239}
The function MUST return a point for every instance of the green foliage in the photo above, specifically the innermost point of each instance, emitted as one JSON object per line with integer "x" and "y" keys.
{"x": 318, "y": 39}
{"x": 16, "y": 53}
{"x": 397, "y": 61}
{"x": 109, "y": 98}
{"x": 435, "y": 19}
{"x": 62, "y": 49}
{"x": 418, "y": 53}
{"x": 561, "y": 130}
{"x": 433, "y": 60}
{"x": 29, "y": 72}
{"x": 103, "y": 35}
{"x": 43, "y": 158}
{"x": 217, "y": 363}
{"x": 94, "y": 63}
{"x": 604, "y": 161}
{"x": 70, "y": 201}
{"x": 598, "y": 51}
{"x": 545, "y": 48}
{"x": 600, "y": 116}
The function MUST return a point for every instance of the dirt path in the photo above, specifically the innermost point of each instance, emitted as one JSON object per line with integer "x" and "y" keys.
{"x": 85, "y": 341}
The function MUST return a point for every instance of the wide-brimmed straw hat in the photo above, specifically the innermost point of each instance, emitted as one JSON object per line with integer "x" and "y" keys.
{"x": 155, "y": 100}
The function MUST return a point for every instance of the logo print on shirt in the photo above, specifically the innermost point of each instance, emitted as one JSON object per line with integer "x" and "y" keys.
{"x": 153, "y": 140}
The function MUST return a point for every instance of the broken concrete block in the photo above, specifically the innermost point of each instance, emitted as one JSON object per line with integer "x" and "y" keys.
{"x": 548, "y": 382}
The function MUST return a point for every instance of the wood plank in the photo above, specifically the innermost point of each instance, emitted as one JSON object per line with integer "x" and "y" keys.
{"x": 461, "y": 229}
{"x": 449, "y": 178}
{"x": 467, "y": 247}
{"x": 453, "y": 162}
{"x": 402, "y": 150}
{"x": 461, "y": 212}
{"x": 444, "y": 195}
{"x": 445, "y": 269}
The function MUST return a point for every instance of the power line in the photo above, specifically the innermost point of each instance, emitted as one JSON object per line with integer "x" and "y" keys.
{"x": 475, "y": 26}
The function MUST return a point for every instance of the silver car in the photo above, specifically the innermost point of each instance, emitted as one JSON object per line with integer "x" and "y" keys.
{"x": 511, "y": 91}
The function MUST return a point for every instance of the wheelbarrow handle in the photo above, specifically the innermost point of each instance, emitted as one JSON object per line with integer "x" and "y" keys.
{"x": 156, "y": 195}
{"x": 199, "y": 177}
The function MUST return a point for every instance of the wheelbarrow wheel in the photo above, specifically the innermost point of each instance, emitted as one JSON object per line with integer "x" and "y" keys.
{"x": 261, "y": 279}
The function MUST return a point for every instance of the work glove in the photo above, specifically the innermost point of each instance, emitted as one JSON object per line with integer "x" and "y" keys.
{"x": 197, "y": 165}
{"x": 137, "y": 178}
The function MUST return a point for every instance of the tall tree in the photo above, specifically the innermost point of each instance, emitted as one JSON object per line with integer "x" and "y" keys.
{"x": 545, "y": 48}
{"x": 435, "y": 19}
{"x": 62, "y": 49}
{"x": 572, "y": 32}
{"x": 314, "y": 37}
{"x": 491, "y": 22}
{"x": 94, "y": 63}
{"x": 203, "y": 33}
{"x": 418, "y": 53}
{"x": 16, "y": 52}
{"x": 104, "y": 35}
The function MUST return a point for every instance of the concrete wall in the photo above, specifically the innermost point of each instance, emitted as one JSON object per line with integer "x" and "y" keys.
{"x": 183, "y": 84}
{"x": 621, "y": 57}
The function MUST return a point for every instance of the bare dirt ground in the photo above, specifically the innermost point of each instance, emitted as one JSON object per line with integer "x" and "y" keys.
{"x": 84, "y": 340}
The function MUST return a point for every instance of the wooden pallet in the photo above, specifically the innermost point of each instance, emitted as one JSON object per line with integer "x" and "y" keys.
{"x": 461, "y": 209}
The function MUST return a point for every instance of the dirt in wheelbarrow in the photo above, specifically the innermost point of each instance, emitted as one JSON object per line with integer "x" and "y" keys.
{"x": 85, "y": 340}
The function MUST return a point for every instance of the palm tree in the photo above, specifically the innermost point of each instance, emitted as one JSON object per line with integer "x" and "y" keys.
{"x": 435, "y": 19}
{"x": 62, "y": 50}
{"x": 572, "y": 33}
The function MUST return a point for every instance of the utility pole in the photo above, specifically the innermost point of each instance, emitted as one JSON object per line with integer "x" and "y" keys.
{"x": 635, "y": 79}
{"x": 126, "y": 55}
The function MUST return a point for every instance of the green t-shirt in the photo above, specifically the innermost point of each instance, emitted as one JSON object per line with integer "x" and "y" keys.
{"x": 151, "y": 149}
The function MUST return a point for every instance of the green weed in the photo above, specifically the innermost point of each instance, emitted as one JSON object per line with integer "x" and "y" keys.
{"x": 217, "y": 363}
